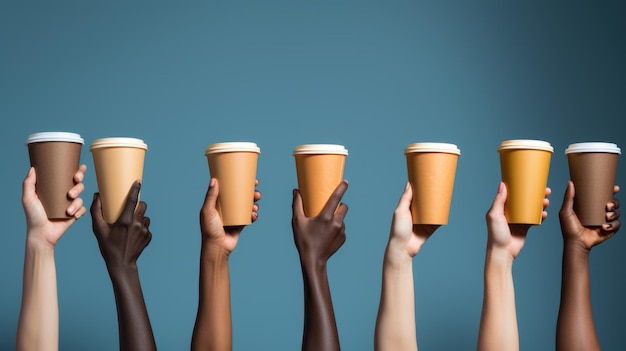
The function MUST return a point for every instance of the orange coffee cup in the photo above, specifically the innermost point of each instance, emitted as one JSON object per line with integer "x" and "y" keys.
{"x": 234, "y": 165}
{"x": 319, "y": 168}
{"x": 431, "y": 170}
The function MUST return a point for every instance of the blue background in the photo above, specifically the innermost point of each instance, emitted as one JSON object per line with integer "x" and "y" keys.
{"x": 374, "y": 76}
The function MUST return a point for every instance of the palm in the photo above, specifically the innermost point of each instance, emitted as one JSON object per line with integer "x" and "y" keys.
{"x": 214, "y": 232}
{"x": 37, "y": 220}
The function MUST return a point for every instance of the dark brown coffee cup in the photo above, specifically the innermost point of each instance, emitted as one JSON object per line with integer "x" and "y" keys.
{"x": 55, "y": 157}
{"x": 592, "y": 168}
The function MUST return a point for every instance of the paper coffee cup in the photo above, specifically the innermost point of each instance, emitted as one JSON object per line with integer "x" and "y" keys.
{"x": 431, "y": 170}
{"x": 319, "y": 168}
{"x": 524, "y": 166}
{"x": 118, "y": 163}
{"x": 55, "y": 157}
{"x": 592, "y": 168}
{"x": 234, "y": 165}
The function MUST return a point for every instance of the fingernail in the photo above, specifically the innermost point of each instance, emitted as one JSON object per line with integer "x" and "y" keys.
{"x": 70, "y": 210}
{"x": 606, "y": 226}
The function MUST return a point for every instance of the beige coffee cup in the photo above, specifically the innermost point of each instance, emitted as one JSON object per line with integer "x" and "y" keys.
{"x": 118, "y": 163}
{"x": 234, "y": 165}
{"x": 319, "y": 168}
{"x": 431, "y": 169}
{"x": 524, "y": 165}
{"x": 592, "y": 169}
{"x": 55, "y": 157}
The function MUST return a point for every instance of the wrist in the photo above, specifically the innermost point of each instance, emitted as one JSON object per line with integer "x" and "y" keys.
{"x": 397, "y": 257}
{"x": 119, "y": 272}
{"x": 576, "y": 247}
{"x": 311, "y": 262}
{"x": 39, "y": 244}
{"x": 499, "y": 256}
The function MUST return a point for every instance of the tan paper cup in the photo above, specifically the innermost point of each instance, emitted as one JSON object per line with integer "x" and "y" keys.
{"x": 118, "y": 164}
{"x": 234, "y": 165}
{"x": 431, "y": 169}
{"x": 319, "y": 168}
{"x": 592, "y": 168}
{"x": 55, "y": 157}
{"x": 525, "y": 165}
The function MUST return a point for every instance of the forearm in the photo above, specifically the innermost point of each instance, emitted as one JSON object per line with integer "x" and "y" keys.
{"x": 395, "y": 325}
{"x": 320, "y": 327}
{"x": 213, "y": 328}
{"x": 575, "y": 327}
{"x": 135, "y": 331}
{"x": 498, "y": 323}
{"x": 38, "y": 326}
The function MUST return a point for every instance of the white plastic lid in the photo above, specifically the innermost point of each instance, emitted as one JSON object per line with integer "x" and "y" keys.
{"x": 320, "y": 149}
{"x": 232, "y": 147}
{"x": 432, "y": 147}
{"x": 118, "y": 142}
{"x": 54, "y": 136}
{"x": 526, "y": 144}
{"x": 593, "y": 147}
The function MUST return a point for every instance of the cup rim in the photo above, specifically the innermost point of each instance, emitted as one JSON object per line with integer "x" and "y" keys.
{"x": 447, "y": 148}
{"x": 232, "y": 146}
{"x": 118, "y": 142}
{"x": 593, "y": 146}
{"x": 41, "y": 137}
{"x": 527, "y": 144}
{"x": 320, "y": 149}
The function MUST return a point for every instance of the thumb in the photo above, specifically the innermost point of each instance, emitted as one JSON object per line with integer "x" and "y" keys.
{"x": 296, "y": 205}
{"x": 406, "y": 198}
{"x": 98, "y": 224}
{"x": 498, "y": 202}
{"x": 210, "y": 200}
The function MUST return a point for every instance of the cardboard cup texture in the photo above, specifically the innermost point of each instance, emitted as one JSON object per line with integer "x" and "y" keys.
{"x": 118, "y": 164}
{"x": 319, "y": 168}
{"x": 55, "y": 157}
{"x": 431, "y": 170}
{"x": 524, "y": 166}
{"x": 592, "y": 169}
{"x": 234, "y": 165}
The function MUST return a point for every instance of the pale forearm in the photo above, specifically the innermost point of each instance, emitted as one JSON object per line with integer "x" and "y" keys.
{"x": 498, "y": 324}
{"x": 395, "y": 324}
{"x": 575, "y": 326}
{"x": 213, "y": 328}
{"x": 38, "y": 326}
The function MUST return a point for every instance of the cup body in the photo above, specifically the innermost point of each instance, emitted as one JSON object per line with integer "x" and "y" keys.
{"x": 592, "y": 169}
{"x": 118, "y": 163}
{"x": 234, "y": 165}
{"x": 55, "y": 157}
{"x": 319, "y": 168}
{"x": 524, "y": 166}
{"x": 431, "y": 169}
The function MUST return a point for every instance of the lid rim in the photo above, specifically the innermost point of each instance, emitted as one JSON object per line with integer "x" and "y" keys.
{"x": 526, "y": 144}
{"x": 433, "y": 147}
{"x": 42, "y": 137}
{"x": 320, "y": 149}
{"x": 112, "y": 142}
{"x": 591, "y": 147}
{"x": 232, "y": 146}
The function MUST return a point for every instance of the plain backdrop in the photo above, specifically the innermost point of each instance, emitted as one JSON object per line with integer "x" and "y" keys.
{"x": 371, "y": 75}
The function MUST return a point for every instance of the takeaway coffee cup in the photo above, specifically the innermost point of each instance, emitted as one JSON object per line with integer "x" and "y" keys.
{"x": 55, "y": 157}
{"x": 118, "y": 164}
{"x": 234, "y": 165}
{"x": 431, "y": 169}
{"x": 319, "y": 168}
{"x": 592, "y": 168}
{"x": 525, "y": 165}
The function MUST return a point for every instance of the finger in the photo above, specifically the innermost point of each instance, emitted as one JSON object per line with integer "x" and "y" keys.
{"x": 146, "y": 222}
{"x": 80, "y": 174}
{"x": 141, "y": 210}
{"x": 76, "y": 190}
{"x": 98, "y": 223}
{"x": 210, "y": 200}
{"x": 615, "y": 204}
{"x": 257, "y": 195}
{"x": 615, "y": 189}
{"x": 74, "y": 206}
{"x": 81, "y": 211}
{"x": 335, "y": 198}
{"x": 497, "y": 206}
{"x": 131, "y": 203}
{"x": 341, "y": 212}
{"x": 546, "y": 203}
{"x": 296, "y": 205}
{"x": 612, "y": 215}
{"x": 548, "y": 192}
{"x": 256, "y": 182}
{"x": 611, "y": 227}
{"x": 406, "y": 197}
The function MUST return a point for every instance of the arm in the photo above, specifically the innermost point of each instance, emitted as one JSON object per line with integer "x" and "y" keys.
{"x": 120, "y": 244}
{"x": 498, "y": 323}
{"x": 575, "y": 328}
{"x": 213, "y": 327}
{"x": 395, "y": 324}
{"x": 38, "y": 325}
{"x": 317, "y": 239}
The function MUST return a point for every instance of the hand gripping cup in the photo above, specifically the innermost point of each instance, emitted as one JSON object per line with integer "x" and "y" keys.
{"x": 525, "y": 165}
{"x": 431, "y": 170}
{"x": 234, "y": 166}
{"x": 55, "y": 157}
{"x": 592, "y": 168}
{"x": 118, "y": 163}
{"x": 319, "y": 168}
